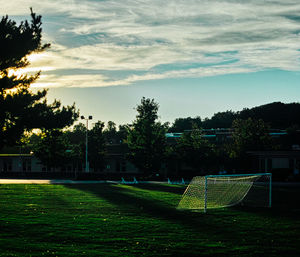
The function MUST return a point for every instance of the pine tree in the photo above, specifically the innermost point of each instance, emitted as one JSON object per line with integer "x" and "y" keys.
{"x": 21, "y": 109}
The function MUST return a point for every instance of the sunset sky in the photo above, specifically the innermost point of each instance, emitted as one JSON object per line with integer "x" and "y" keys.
{"x": 194, "y": 57}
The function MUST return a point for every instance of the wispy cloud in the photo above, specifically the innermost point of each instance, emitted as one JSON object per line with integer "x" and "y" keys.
{"x": 149, "y": 40}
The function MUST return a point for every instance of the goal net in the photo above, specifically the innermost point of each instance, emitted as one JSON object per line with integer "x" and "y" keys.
{"x": 218, "y": 191}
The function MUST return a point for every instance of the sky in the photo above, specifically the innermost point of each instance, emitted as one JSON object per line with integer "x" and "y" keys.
{"x": 193, "y": 57}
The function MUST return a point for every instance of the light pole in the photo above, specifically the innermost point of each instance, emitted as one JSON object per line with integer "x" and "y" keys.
{"x": 86, "y": 142}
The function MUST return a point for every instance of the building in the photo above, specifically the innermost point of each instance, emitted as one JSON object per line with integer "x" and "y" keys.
{"x": 282, "y": 164}
{"x": 115, "y": 163}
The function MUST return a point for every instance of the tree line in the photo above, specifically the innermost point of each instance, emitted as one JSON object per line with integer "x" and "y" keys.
{"x": 144, "y": 141}
{"x": 277, "y": 115}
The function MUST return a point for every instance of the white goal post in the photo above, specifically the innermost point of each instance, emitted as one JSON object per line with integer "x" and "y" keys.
{"x": 219, "y": 191}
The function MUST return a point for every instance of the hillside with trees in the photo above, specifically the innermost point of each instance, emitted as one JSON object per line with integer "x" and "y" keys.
{"x": 277, "y": 115}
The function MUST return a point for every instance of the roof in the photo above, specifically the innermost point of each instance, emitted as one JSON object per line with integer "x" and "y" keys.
{"x": 15, "y": 155}
{"x": 278, "y": 154}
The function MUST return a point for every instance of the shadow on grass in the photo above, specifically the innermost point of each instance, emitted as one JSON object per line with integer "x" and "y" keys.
{"x": 207, "y": 225}
{"x": 214, "y": 222}
{"x": 174, "y": 189}
{"x": 28, "y": 211}
{"x": 285, "y": 203}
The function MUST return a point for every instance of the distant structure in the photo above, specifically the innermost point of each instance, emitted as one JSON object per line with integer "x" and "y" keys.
{"x": 116, "y": 163}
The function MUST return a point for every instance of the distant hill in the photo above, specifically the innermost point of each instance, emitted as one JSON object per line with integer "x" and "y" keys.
{"x": 278, "y": 115}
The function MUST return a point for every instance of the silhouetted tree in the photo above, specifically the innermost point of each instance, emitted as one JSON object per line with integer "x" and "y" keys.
{"x": 277, "y": 115}
{"x": 248, "y": 135}
{"x": 21, "y": 109}
{"x": 146, "y": 138}
{"x": 123, "y": 133}
{"x": 110, "y": 133}
{"x": 220, "y": 120}
{"x": 53, "y": 149}
{"x": 290, "y": 140}
{"x": 195, "y": 151}
{"x": 182, "y": 124}
{"x": 77, "y": 137}
{"x": 97, "y": 146}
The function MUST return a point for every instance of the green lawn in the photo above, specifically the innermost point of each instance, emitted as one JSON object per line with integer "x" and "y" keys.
{"x": 141, "y": 220}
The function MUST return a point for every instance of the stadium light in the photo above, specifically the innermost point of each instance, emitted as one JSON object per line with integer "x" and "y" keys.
{"x": 86, "y": 142}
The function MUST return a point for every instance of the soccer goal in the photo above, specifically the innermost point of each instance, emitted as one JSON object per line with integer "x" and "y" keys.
{"x": 219, "y": 191}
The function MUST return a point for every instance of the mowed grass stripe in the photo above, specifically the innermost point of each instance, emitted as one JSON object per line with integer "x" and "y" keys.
{"x": 134, "y": 220}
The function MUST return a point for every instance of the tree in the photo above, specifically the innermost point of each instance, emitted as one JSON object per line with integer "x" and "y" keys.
{"x": 76, "y": 137}
{"x": 97, "y": 148}
{"x": 182, "y": 124}
{"x": 248, "y": 135}
{"x": 220, "y": 120}
{"x": 96, "y": 144}
{"x": 194, "y": 150}
{"x": 278, "y": 115}
{"x": 110, "y": 133}
{"x": 122, "y": 133}
{"x": 288, "y": 141}
{"x": 146, "y": 138}
{"x": 21, "y": 109}
{"x": 53, "y": 149}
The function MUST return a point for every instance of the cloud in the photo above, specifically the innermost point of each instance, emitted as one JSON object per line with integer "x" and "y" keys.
{"x": 96, "y": 80}
{"x": 149, "y": 40}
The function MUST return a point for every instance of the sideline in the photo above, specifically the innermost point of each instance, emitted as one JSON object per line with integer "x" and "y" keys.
{"x": 52, "y": 181}
{"x": 69, "y": 181}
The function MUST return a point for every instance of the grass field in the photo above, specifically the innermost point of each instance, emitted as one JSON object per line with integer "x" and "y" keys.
{"x": 140, "y": 220}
